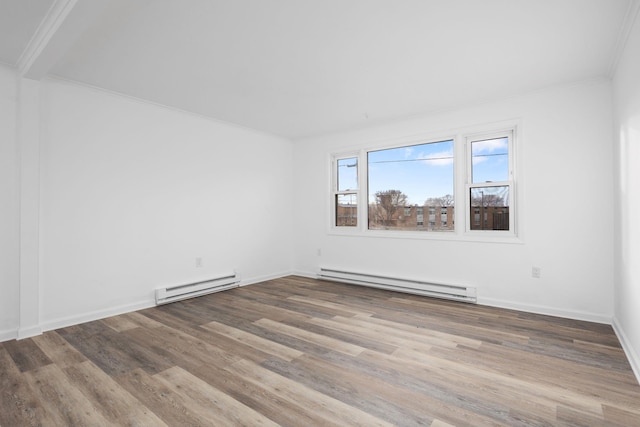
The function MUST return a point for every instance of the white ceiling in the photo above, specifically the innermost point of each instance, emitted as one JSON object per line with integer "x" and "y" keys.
{"x": 304, "y": 67}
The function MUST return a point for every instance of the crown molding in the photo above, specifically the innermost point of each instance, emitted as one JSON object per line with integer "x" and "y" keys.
{"x": 48, "y": 27}
{"x": 623, "y": 35}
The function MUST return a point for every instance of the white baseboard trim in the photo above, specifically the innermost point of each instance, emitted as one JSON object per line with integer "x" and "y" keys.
{"x": 632, "y": 356}
{"x": 527, "y": 308}
{"x": 140, "y": 305}
{"x": 8, "y": 334}
{"x": 305, "y": 274}
{"x": 547, "y": 311}
{"x": 258, "y": 279}
{"x": 64, "y": 322}
{"x": 29, "y": 332}
{"x": 96, "y": 315}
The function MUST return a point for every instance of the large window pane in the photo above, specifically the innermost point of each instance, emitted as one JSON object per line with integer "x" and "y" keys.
{"x": 490, "y": 160}
{"x": 403, "y": 181}
{"x": 489, "y": 208}
{"x": 347, "y": 174}
{"x": 346, "y": 210}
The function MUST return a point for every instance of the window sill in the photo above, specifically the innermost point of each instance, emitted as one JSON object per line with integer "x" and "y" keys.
{"x": 447, "y": 236}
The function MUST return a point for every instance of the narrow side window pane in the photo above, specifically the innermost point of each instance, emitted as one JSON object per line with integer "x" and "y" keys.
{"x": 404, "y": 181}
{"x": 348, "y": 174}
{"x": 489, "y": 208}
{"x": 490, "y": 160}
{"x": 346, "y": 210}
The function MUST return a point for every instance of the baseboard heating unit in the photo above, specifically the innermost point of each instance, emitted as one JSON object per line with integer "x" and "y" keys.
{"x": 196, "y": 289}
{"x": 418, "y": 287}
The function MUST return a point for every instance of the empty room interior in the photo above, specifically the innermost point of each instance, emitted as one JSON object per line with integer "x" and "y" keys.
{"x": 305, "y": 212}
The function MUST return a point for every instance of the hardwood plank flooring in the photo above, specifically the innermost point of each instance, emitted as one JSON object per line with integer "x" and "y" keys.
{"x": 302, "y": 352}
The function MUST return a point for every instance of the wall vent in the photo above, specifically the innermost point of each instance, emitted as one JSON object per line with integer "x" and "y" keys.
{"x": 412, "y": 286}
{"x": 196, "y": 289}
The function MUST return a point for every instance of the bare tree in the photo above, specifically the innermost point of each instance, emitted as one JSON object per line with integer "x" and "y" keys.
{"x": 443, "y": 201}
{"x": 487, "y": 200}
{"x": 388, "y": 202}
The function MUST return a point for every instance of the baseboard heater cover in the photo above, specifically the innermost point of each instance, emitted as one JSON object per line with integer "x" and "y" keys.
{"x": 190, "y": 290}
{"x": 418, "y": 287}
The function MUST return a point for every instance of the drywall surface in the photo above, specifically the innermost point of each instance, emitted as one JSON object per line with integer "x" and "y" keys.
{"x": 9, "y": 207}
{"x": 626, "y": 90}
{"x": 564, "y": 224}
{"x": 137, "y": 196}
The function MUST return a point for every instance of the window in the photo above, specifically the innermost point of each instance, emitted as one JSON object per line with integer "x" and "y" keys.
{"x": 415, "y": 175}
{"x": 490, "y": 187}
{"x": 345, "y": 197}
{"x": 412, "y": 187}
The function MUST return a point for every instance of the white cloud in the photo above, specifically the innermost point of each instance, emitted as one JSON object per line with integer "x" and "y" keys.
{"x": 442, "y": 158}
{"x": 478, "y": 160}
{"x": 408, "y": 152}
{"x": 490, "y": 145}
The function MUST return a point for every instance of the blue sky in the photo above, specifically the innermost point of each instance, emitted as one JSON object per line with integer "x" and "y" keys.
{"x": 490, "y": 160}
{"x": 423, "y": 171}
{"x": 347, "y": 174}
{"x": 419, "y": 171}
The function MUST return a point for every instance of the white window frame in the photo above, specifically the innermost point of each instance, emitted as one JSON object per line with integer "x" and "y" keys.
{"x": 335, "y": 193}
{"x": 462, "y": 185}
{"x": 510, "y": 133}
{"x": 401, "y": 143}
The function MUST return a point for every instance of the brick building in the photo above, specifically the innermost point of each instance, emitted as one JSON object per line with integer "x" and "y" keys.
{"x": 424, "y": 218}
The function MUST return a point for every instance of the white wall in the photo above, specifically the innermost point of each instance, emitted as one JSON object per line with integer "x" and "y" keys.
{"x": 132, "y": 193}
{"x": 9, "y": 206}
{"x": 626, "y": 89}
{"x": 566, "y": 179}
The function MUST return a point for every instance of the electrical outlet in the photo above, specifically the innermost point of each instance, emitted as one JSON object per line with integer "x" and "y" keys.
{"x": 319, "y": 252}
{"x": 198, "y": 262}
{"x": 536, "y": 272}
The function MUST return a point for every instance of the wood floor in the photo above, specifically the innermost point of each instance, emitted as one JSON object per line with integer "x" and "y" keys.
{"x": 302, "y": 352}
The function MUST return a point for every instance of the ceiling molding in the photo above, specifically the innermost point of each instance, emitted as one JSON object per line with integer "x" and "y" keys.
{"x": 623, "y": 35}
{"x": 43, "y": 35}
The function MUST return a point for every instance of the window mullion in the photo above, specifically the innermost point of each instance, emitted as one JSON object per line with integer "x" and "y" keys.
{"x": 363, "y": 186}
{"x": 380, "y": 190}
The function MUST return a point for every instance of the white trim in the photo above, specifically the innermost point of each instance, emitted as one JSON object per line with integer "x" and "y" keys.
{"x": 525, "y": 308}
{"x": 29, "y": 332}
{"x": 333, "y": 207}
{"x": 492, "y": 302}
{"x": 634, "y": 360}
{"x": 632, "y": 356}
{"x": 511, "y": 133}
{"x": 91, "y": 316}
{"x": 305, "y": 274}
{"x": 475, "y": 236}
{"x": 546, "y": 310}
{"x": 623, "y": 36}
{"x": 48, "y": 27}
{"x": 512, "y": 128}
{"x": 8, "y": 335}
{"x": 259, "y": 279}
{"x": 28, "y": 133}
